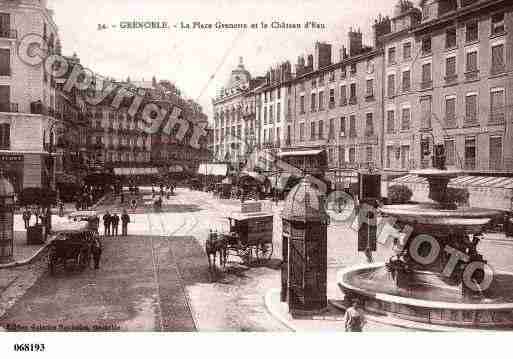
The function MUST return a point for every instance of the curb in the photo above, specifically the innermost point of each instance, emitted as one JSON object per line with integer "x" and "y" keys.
{"x": 29, "y": 260}
{"x": 267, "y": 301}
{"x": 392, "y": 322}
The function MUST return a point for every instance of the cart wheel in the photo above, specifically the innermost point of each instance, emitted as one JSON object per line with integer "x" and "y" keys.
{"x": 245, "y": 254}
{"x": 51, "y": 264}
{"x": 80, "y": 260}
{"x": 264, "y": 251}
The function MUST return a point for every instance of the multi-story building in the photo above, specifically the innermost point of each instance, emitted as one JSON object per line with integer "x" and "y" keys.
{"x": 337, "y": 106}
{"x": 26, "y": 131}
{"x": 235, "y": 126}
{"x": 274, "y": 96}
{"x": 452, "y": 69}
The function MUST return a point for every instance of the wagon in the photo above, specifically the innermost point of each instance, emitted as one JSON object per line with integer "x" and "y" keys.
{"x": 251, "y": 235}
{"x": 72, "y": 247}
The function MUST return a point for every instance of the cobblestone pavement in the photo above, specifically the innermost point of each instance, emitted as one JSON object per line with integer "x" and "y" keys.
{"x": 158, "y": 278}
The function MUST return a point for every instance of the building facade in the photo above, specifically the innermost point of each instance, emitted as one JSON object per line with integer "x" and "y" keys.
{"x": 440, "y": 73}
{"x": 236, "y": 128}
{"x": 456, "y": 55}
{"x": 26, "y": 131}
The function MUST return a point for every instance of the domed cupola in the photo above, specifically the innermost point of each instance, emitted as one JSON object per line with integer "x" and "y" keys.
{"x": 239, "y": 77}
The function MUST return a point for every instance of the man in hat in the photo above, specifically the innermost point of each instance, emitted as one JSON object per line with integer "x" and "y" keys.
{"x": 106, "y": 223}
{"x": 354, "y": 318}
{"x": 125, "y": 219}
{"x": 115, "y": 224}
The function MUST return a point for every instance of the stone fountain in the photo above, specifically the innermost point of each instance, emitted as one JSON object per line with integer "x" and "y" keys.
{"x": 437, "y": 274}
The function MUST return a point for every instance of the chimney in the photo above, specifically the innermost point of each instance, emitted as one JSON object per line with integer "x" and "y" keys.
{"x": 285, "y": 71}
{"x": 355, "y": 42}
{"x": 322, "y": 57}
{"x": 343, "y": 53}
{"x": 300, "y": 66}
{"x": 309, "y": 63}
{"x": 382, "y": 26}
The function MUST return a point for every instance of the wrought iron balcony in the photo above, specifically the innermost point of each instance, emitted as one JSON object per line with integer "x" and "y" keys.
{"x": 472, "y": 75}
{"x": 9, "y": 107}
{"x": 8, "y": 33}
{"x": 497, "y": 118}
{"x": 426, "y": 85}
{"x": 451, "y": 79}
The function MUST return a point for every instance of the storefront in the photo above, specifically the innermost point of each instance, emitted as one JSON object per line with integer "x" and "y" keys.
{"x": 25, "y": 169}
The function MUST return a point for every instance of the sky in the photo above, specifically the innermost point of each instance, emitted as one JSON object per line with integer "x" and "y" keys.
{"x": 199, "y": 61}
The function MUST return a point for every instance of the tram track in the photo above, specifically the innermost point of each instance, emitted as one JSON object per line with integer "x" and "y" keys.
{"x": 189, "y": 225}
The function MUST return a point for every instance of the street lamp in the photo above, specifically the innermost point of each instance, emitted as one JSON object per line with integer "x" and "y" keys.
{"x": 6, "y": 220}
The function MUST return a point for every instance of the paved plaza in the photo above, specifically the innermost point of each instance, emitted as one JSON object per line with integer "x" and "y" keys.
{"x": 157, "y": 278}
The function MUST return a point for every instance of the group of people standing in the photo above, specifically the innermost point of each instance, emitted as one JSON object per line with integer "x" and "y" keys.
{"x": 111, "y": 223}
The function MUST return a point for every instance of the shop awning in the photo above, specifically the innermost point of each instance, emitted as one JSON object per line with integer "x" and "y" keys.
{"x": 227, "y": 180}
{"x": 258, "y": 177}
{"x": 493, "y": 192}
{"x": 213, "y": 169}
{"x": 464, "y": 181}
{"x": 281, "y": 181}
{"x": 176, "y": 169}
{"x": 300, "y": 153}
{"x": 135, "y": 171}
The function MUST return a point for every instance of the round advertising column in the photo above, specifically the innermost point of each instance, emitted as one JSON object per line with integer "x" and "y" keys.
{"x": 6, "y": 220}
{"x": 305, "y": 224}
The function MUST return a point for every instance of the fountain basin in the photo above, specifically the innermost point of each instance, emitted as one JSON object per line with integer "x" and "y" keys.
{"x": 373, "y": 285}
{"x": 434, "y": 218}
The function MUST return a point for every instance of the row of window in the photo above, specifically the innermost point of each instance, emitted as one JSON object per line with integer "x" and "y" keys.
{"x": 127, "y": 157}
{"x": 349, "y": 155}
{"x": 471, "y": 34}
{"x": 317, "y": 128}
{"x": 271, "y": 108}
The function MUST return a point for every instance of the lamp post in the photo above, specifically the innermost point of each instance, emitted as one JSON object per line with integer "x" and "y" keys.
{"x": 6, "y": 220}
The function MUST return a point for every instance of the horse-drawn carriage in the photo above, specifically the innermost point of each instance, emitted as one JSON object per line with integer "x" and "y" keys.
{"x": 73, "y": 245}
{"x": 250, "y": 236}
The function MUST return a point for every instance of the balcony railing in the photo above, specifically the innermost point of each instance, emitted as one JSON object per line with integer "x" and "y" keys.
{"x": 472, "y": 75}
{"x": 498, "y": 69}
{"x": 471, "y": 120}
{"x": 451, "y": 79}
{"x": 450, "y": 122}
{"x": 426, "y": 85}
{"x": 8, "y": 33}
{"x": 9, "y": 107}
{"x": 497, "y": 118}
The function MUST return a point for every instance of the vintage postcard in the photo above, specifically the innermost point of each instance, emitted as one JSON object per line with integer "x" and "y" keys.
{"x": 255, "y": 166}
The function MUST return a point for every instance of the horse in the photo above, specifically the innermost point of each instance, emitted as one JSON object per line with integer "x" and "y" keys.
{"x": 216, "y": 243}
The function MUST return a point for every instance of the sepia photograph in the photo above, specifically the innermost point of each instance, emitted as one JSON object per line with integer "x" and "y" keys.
{"x": 228, "y": 166}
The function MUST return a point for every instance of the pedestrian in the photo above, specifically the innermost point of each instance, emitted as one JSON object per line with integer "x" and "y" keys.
{"x": 122, "y": 197}
{"x": 354, "y": 318}
{"x": 97, "y": 252}
{"x": 106, "y": 223}
{"x": 134, "y": 203}
{"x": 61, "y": 208}
{"x": 26, "y": 218}
{"x": 125, "y": 219}
{"x": 115, "y": 224}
